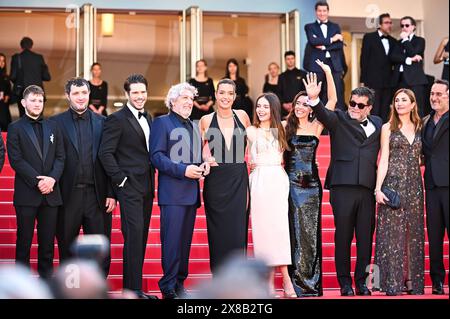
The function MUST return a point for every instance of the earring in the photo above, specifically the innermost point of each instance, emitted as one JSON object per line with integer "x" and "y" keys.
{"x": 310, "y": 116}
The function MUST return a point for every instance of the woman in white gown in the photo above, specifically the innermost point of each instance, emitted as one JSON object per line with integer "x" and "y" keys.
{"x": 269, "y": 190}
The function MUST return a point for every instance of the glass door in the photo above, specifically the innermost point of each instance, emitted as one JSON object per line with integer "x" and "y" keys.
{"x": 290, "y": 36}
{"x": 190, "y": 41}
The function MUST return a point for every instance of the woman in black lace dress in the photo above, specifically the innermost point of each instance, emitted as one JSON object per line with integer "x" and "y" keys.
{"x": 305, "y": 195}
{"x": 399, "y": 252}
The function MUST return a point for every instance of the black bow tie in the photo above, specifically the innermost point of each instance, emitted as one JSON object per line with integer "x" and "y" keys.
{"x": 383, "y": 37}
{"x": 141, "y": 114}
{"x": 325, "y": 23}
{"x": 364, "y": 123}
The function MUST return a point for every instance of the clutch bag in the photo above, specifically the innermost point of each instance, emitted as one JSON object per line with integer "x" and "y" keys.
{"x": 393, "y": 196}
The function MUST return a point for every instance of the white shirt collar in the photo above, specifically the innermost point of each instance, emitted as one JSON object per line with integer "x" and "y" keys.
{"x": 380, "y": 33}
{"x": 133, "y": 110}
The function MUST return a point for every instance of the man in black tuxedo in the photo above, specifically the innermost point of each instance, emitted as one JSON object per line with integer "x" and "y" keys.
{"x": 27, "y": 68}
{"x": 435, "y": 143}
{"x": 36, "y": 153}
{"x": 290, "y": 83}
{"x": 408, "y": 56}
{"x": 86, "y": 189}
{"x": 124, "y": 153}
{"x": 325, "y": 43}
{"x": 351, "y": 178}
{"x": 377, "y": 67}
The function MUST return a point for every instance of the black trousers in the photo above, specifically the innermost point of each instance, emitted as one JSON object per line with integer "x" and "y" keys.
{"x": 46, "y": 217}
{"x": 177, "y": 227}
{"x": 437, "y": 221}
{"x": 354, "y": 213}
{"x": 82, "y": 210}
{"x": 135, "y": 213}
{"x": 382, "y": 103}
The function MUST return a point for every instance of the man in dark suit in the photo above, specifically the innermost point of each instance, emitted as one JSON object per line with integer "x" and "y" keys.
{"x": 124, "y": 153}
{"x": 351, "y": 178}
{"x": 377, "y": 67}
{"x": 325, "y": 43}
{"x": 178, "y": 186}
{"x": 435, "y": 143}
{"x": 86, "y": 189}
{"x": 36, "y": 153}
{"x": 290, "y": 83}
{"x": 27, "y": 68}
{"x": 408, "y": 56}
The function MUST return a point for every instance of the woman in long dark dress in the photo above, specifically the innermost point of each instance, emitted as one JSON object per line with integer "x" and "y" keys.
{"x": 206, "y": 94}
{"x": 399, "y": 251}
{"x": 98, "y": 97}
{"x": 271, "y": 80}
{"x": 5, "y": 93}
{"x": 242, "y": 101}
{"x": 225, "y": 190}
{"x": 305, "y": 193}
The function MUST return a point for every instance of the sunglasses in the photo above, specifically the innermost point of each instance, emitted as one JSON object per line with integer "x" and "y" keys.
{"x": 405, "y": 25}
{"x": 359, "y": 105}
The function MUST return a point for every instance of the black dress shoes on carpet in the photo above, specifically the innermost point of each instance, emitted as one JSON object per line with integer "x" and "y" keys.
{"x": 362, "y": 290}
{"x": 438, "y": 289}
{"x": 170, "y": 295}
{"x": 141, "y": 295}
{"x": 347, "y": 291}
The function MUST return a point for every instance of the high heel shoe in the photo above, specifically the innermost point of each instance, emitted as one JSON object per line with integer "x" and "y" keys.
{"x": 408, "y": 287}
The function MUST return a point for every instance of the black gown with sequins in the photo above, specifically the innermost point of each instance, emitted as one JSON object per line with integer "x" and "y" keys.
{"x": 399, "y": 251}
{"x": 305, "y": 203}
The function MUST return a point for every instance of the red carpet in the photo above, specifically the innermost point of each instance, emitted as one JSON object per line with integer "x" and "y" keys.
{"x": 199, "y": 259}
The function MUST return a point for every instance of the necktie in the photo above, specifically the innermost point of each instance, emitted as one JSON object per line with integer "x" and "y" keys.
{"x": 141, "y": 114}
{"x": 364, "y": 123}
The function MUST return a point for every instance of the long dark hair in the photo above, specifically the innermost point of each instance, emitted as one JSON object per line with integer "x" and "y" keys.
{"x": 275, "y": 118}
{"x": 227, "y": 72}
{"x": 4, "y": 70}
{"x": 292, "y": 120}
{"x": 394, "y": 119}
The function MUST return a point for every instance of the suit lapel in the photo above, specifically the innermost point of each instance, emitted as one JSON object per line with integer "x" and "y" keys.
{"x": 48, "y": 136}
{"x": 177, "y": 124}
{"x": 353, "y": 123}
{"x": 375, "y": 134}
{"x": 135, "y": 124}
{"x": 440, "y": 129}
{"x": 30, "y": 132}
{"x": 71, "y": 130}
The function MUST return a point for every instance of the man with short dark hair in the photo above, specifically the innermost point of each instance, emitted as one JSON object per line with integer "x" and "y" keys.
{"x": 351, "y": 179}
{"x": 409, "y": 55}
{"x": 86, "y": 189}
{"x": 325, "y": 43}
{"x": 27, "y": 68}
{"x": 36, "y": 153}
{"x": 124, "y": 153}
{"x": 435, "y": 143}
{"x": 376, "y": 65}
{"x": 290, "y": 83}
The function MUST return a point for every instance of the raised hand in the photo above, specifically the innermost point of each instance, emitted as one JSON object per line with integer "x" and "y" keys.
{"x": 311, "y": 86}
{"x": 325, "y": 67}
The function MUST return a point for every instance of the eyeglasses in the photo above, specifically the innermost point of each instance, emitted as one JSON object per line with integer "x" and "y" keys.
{"x": 405, "y": 25}
{"x": 359, "y": 105}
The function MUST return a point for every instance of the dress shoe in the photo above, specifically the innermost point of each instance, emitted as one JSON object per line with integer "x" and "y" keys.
{"x": 391, "y": 293}
{"x": 438, "y": 289}
{"x": 170, "y": 295}
{"x": 362, "y": 290}
{"x": 182, "y": 292}
{"x": 141, "y": 295}
{"x": 347, "y": 291}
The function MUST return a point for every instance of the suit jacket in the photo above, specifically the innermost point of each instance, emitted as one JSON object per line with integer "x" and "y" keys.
{"x": 315, "y": 38}
{"x": 353, "y": 155}
{"x": 377, "y": 66}
{"x": 123, "y": 152}
{"x": 103, "y": 186}
{"x": 173, "y": 187}
{"x": 34, "y": 70}
{"x": 436, "y": 154}
{"x": 413, "y": 74}
{"x": 28, "y": 161}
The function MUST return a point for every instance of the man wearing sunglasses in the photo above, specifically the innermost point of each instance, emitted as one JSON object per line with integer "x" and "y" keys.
{"x": 376, "y": 65}
{"x": 409, "y": 73}
{"x": 351, "y": 177}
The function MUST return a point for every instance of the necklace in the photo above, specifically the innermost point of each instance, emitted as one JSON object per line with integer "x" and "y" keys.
{"x": 266, "y": 129}
{"x": 225, "y": 117}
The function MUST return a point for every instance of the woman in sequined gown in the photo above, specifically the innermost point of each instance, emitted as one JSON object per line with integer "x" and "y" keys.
{"x": 399, "y": 251}
{"x": 269, "y": 190}
{"x": 305, "y": 197}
